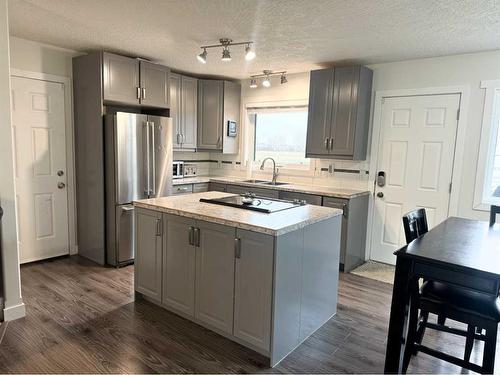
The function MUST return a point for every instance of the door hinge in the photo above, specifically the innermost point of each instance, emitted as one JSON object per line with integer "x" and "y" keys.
{"x": 458, "y": 114}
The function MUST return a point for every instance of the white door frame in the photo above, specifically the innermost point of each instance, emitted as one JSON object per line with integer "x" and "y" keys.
{"x": 464, "y": 92}
{"x": 70, "y": 154}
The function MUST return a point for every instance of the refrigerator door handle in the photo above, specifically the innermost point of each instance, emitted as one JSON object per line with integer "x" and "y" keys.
{"x": 153, "y": 159}
{"x": 148, "y": 163}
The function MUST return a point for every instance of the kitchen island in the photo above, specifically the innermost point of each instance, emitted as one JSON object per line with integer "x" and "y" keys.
{"x": 264, "y": 280}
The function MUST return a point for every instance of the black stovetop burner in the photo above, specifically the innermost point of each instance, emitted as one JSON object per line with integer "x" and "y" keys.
{"x": 258, "y": 204}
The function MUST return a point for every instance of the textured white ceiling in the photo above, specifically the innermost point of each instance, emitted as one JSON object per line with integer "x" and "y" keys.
{"x": 293, "y": 35}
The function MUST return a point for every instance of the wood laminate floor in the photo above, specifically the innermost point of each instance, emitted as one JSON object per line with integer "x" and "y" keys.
{"x": 81, "y": 318}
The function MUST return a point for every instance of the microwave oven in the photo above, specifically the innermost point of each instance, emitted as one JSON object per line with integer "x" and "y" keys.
{"x": 178, "y": 171}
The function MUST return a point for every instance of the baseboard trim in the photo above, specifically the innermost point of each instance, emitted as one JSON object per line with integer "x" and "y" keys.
{"x": 14, "y": 312}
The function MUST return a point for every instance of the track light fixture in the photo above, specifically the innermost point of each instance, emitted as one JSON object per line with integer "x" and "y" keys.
{"x": 266, "y": 74}
{"x": 202, "y": 57}
{"x": 226, "y": 53}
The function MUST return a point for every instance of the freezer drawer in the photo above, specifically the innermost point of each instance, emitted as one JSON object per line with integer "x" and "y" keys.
{"x": 125, "y": 233}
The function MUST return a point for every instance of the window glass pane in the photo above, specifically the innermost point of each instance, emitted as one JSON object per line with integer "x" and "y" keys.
{"x": 494, "y": 187}
{"x": 282, "y": 136}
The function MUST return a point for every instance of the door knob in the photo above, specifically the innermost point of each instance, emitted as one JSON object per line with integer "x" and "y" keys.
{"x": 61, "y": 185}
{"x": 60, "y": 173}
{"x": 380, "y": 194}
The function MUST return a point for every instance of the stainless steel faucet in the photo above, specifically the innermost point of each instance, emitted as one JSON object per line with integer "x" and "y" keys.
{"x": 275, "y": 170}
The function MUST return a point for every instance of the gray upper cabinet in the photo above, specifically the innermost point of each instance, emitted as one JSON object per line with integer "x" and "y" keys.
{"x": 175, "y": 108}
{"x": 318, "y": 120}
{"x": 218, "y": 103}
{"x": 127, "y": 80}
{"x": 210, "y": 114}
{"x": 154, "y": 85}
{"x": 184, "y": 110}
{"x": 120, "y": 79}
{"x": 189, "y": 111}
{"x": 339, "y": 110}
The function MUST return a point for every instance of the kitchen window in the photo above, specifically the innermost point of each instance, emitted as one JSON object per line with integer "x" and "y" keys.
{"x": 280, "y": 133}
{"x": 487, "y": 190}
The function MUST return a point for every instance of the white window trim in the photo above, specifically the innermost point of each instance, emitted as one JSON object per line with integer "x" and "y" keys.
{"x": 490, "y": 113}
{"x": 277, "y": 106}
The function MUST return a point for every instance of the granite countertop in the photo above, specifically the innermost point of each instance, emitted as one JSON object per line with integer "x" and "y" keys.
{"x": 326, "y": 191}
{"x": 274, "y": 224}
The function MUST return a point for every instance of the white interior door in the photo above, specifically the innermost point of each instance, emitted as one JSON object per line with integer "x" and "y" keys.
{"x": 416, "y": 151}
{"x": 38, "y": 121}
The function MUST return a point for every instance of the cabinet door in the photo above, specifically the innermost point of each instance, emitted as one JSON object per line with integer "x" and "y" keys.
{"x": 210, "y": 111}
{"x": 178, "y": 265}
{"x": 215, "y": 186}
{"x": 215, "y": 275}
{"x": 343, "y": 122}
{"x": 120, "y": 79}
{"x": 201, "y": 187}
{"x": 175, "y": 108}
{"x": 148, "y": 256}
{"x": 155, "y": 82}
{"x": 253, "y": 288}
{"x": 319, "y": 114}
{"x": 189, "y": 111}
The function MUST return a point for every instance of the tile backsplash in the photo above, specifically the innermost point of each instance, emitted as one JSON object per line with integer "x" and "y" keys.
{"x": 335, "y": 173}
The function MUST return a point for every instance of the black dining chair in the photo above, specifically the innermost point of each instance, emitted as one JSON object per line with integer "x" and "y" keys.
{"x": 494, "y": 211}
{"x": 453, "y": 302}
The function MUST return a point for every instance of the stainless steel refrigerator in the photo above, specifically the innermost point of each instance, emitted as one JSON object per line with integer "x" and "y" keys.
{"x": 138, "y": 152}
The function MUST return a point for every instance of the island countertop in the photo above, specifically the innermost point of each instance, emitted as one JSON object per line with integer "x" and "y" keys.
{"x": 275, "y": 224}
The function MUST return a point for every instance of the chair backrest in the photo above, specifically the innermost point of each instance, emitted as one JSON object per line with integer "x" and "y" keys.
{"x": 493, "y": 214}
{"x": 415, "y": 224}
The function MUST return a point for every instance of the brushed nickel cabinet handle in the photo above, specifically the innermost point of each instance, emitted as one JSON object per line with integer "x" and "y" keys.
{"x": 191, "y": 235}
{"x": 138, "y": 93}
{"x": 237, "y": 248}
{"x": 327, "y": 142}
{"x": 143, "y": 93}
{"x": 331, "y": 143}
{"x": 158, "y": 227}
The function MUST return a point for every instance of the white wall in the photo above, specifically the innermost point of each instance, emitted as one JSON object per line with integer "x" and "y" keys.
{"x": 459, "y": 70}
{"x": 450, "y": 71}
{"x": 40, "y": 58}
{"x": 14, "y": 307}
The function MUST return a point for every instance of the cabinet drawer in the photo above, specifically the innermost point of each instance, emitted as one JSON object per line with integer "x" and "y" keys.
{"x": 199, "y": 188}
{"x": 182, "y": 189}
{"x": 215, "y": 186}
{"x": 309, "y": 198}
{"x": 265, "y": 193}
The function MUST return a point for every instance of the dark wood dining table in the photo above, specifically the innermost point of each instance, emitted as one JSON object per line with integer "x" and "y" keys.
{"x": 458, "y": 251}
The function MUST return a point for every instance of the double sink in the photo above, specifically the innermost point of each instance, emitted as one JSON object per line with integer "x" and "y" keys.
{"x": 262, "y": 182}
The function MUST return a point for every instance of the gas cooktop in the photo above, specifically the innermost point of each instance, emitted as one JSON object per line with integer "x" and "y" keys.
{"x": 254, "y": 203}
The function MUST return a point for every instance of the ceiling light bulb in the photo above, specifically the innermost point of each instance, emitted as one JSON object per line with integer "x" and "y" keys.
{"x": 249, "y": 53}
{"x": 266, "y": 82}
{"x": 226, "y": 55}
{"x": 283, "y": 79}
{"x": 253, "y": 83}
{"x": 202, "y": 57}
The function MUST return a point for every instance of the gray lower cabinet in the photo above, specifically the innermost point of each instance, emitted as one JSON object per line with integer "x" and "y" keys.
{"x": 184, "y": 110}
{"x": 268, "y": 293}
{"x": 339, "y": 110}
{"x": 215, "y": 275}
{"x": 148, "y": 260}
{"x": 253, "y": 284}
{"x": 179, "y": 265}
{"x": 354, "y": 222}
